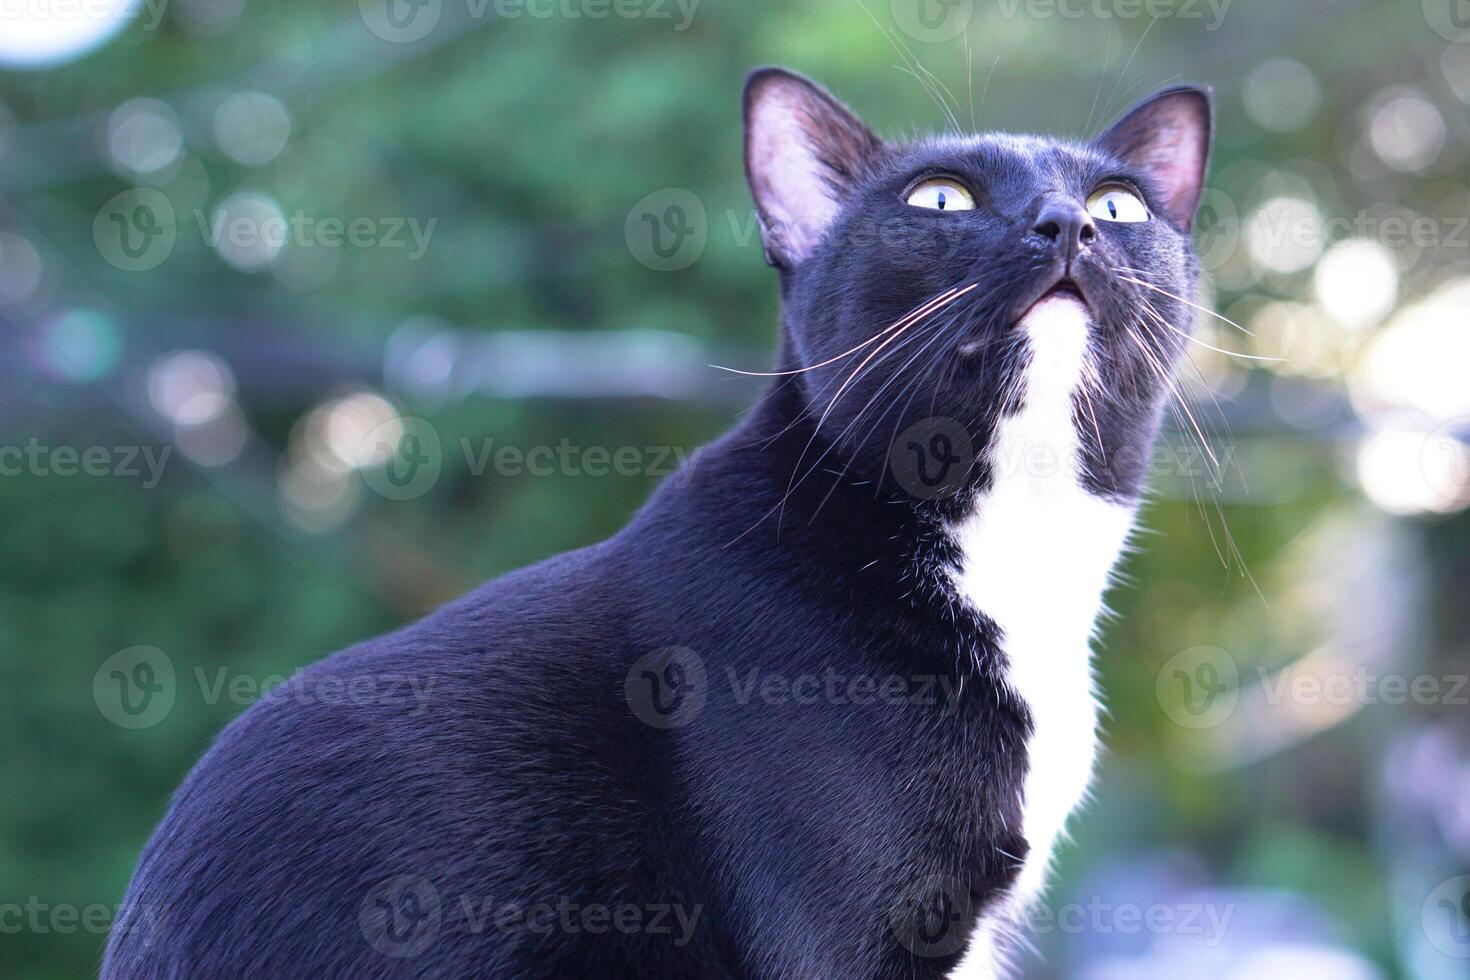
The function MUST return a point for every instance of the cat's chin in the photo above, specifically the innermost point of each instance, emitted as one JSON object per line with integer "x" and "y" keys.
{"x": 1056, "y": 329}
{"x": 1061, "y": 307}
{"x": 1060, "y": 304}
{"x": 1063, "y": 290}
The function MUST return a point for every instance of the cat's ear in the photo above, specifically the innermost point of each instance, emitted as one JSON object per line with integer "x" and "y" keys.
{"x": 804, "y": 151}
{"x": 1167, "y": 136}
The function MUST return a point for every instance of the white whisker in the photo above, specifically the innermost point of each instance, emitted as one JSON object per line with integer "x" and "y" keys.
{"x": 1202, "y": 309}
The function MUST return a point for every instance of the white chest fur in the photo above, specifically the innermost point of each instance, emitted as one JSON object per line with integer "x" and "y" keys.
{"x": 1037, "y": 553}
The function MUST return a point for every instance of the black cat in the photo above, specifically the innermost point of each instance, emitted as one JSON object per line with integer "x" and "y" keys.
{"x": 822, "y": 708}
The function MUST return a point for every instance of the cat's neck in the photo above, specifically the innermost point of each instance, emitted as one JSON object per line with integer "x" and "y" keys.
{"x": 779, "y": 488}
{"x": 775, "y": 494}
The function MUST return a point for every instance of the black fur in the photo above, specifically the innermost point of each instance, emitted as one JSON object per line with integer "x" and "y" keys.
{"x": 755, "y": 734}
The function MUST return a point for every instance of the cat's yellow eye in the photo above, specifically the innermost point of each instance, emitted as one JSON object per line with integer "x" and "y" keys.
{"x": 941, "y": 194}
{"x": 1116, "y": 203}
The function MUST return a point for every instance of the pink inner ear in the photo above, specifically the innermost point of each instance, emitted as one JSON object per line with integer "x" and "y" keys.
{"x": 1177, "y": 162}
{"x": 1168, "y": 137}
{"x": 795, "y": 199}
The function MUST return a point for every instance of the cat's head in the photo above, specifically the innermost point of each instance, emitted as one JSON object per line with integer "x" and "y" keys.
{"x": 907, "y": 268}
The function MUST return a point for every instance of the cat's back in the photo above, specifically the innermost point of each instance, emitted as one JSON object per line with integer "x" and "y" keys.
{"x": 373, "y": 815}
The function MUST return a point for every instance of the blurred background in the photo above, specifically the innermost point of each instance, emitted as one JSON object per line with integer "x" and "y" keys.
{"x": 249, "y": 248}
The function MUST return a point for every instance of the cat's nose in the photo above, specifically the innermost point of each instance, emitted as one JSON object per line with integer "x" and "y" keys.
{"x": 1066, "y": 224}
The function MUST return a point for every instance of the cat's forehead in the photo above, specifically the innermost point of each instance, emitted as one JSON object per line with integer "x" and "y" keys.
{"x": 1002, "y": 154}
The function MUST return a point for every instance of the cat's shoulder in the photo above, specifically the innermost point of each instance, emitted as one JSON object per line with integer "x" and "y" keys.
{"x": 415, "y": 753}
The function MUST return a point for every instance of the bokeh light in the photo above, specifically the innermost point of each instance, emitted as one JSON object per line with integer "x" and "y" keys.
{"x": 20, "y": 269}
{"x": 40, "y": 35}
{"x": 1357, "y": 282}
{"x": 1407, "y": 470}
{"x": 190, "y": 387}
{"x": 1282, "y": 95}
{"x": 249, "y": 231}
{"x": 1406, "y": 130}
{"x": 143, "y": 136}
{"x": 1304, "y": 340}
{"x": 1285, "y": 235}
{"x": 252, "y": 128}
{"x": 1454, "y": 64}
{"x": 1418, "y": 360}
{"x": 316, "y": 498}
{"x": 81, "y": 345}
